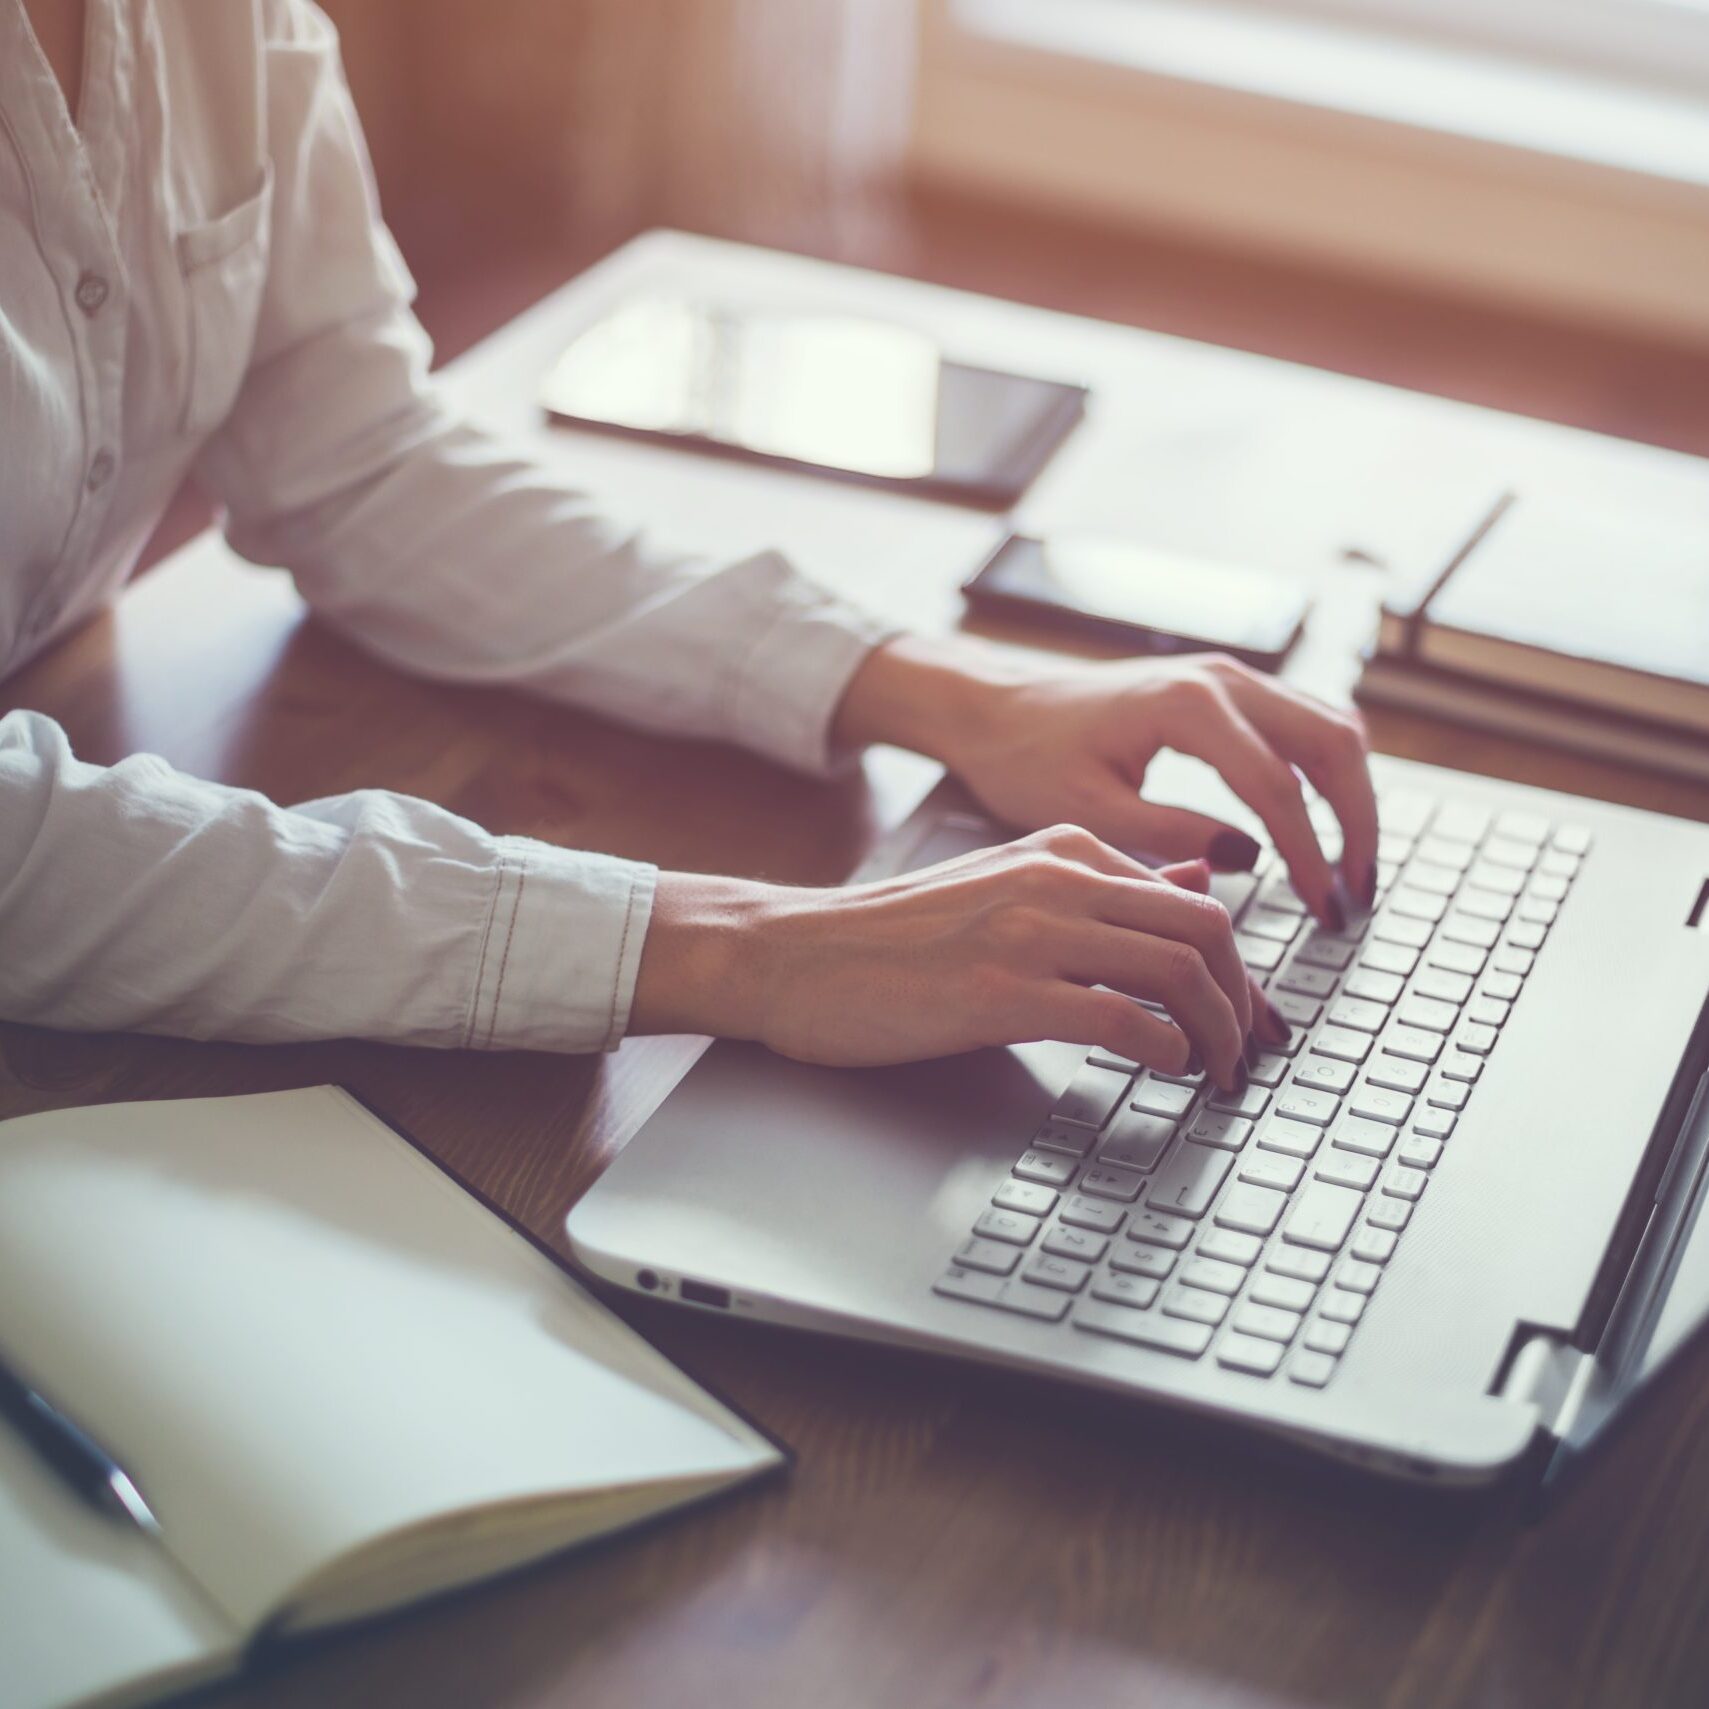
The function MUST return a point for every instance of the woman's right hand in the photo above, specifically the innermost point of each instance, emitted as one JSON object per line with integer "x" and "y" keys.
{"x": 1049, "y": 937}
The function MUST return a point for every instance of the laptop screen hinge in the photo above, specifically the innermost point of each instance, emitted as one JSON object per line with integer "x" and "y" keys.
{"x": 1551, "y": 1375}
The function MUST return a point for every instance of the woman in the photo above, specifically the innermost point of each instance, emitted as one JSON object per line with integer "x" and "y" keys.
{"x": 193, "y": 274}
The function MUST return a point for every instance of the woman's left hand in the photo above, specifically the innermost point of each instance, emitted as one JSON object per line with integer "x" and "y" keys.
{"x": 1045, "y": 742}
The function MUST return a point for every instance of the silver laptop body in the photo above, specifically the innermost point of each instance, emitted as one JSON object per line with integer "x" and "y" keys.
{"x": 1431, "y": 1298}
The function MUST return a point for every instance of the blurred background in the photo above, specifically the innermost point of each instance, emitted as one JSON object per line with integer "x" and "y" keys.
{"x": 1505, "y": 201}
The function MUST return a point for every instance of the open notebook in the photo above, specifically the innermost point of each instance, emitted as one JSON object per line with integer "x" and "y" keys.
{"x": 339, "y": 1381}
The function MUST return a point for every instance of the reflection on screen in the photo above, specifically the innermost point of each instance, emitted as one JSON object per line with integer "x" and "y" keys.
{"x": 836, "y": 390}
{"x": 1175, "y": 595}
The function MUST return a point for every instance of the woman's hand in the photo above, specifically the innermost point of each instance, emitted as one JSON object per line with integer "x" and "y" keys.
{"x": 1051, "y": 937}
{"x": 1040, "y": 742}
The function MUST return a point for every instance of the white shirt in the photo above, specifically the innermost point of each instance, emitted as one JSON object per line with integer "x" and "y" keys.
{"x": 201, "y": 278}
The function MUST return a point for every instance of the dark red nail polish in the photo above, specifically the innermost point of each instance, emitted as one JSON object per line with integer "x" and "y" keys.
{"x": 1195, "y": 1063}
{"x": 1232, "y": 851}
{"x": 1334, "y": 915}
{"x": 1237, "y": 1081}
{"x": 1279, "y": 1023}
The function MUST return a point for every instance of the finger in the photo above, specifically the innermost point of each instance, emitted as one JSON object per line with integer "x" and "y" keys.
{"x": 1166, "y": 971}
{"x": 1329, "y": 747}
{"x": 1266, "y": 782}
{"x": 1106, "y": 1020}
{"x": 1189, "y": 875}
{"x": 1171, "y": 833}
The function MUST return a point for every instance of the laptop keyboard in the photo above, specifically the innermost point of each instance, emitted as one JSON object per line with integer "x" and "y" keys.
{"x": 1254, "y": 1228}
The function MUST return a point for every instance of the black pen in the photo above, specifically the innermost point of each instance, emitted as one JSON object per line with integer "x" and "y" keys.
{"x": 72, "y": 1452}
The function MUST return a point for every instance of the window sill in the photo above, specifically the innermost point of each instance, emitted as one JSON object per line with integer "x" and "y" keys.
{"x": 1547, "y": 187}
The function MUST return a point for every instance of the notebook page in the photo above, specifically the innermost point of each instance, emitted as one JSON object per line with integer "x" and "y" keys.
{"x": 90, "y": 1609}
{"x": 300, "y": 1335}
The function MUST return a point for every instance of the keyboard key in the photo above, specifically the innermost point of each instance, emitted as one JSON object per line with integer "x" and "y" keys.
{"x": 1272, "y": 924}
{"x": 1343, "y": 1044}
{"x": 1392, "y": 1214}
{"x": 1195, "y": 1305}
{"x": 1301, "y": 1105}
{"x": 1368, "y": 1138}
{"x": 1090, "y": 1213}
{"x": 1248, "y": 1102}
{"x": 1374, "y": 1245}
{"x": 1042, "y": 1166}
{"x": 1434, "y": 1124}
{"x": 1537, "y": 910}
{"x": 988, "y": 1255}
{"x": 1064, "y": 1274}
{"x": 1441, "y": 986}
{"x": 1457, "y": 957}
{"x": 1463, "y": 928}
{"x": 1392, "y": 845}
{"x": 1446, "y": 851}
{"x": 1324, "y": 951}
{"x": 1076, "y": 1243}
{"x": 1389, "y": 958}
{"x": 1412, "y": 1043}
{"x": 1557, "y": 863}
{"x": 1279, "y": 893}
{"x": 1311, "y": 1370}
{"x": 1159, "y": 1229}
{"x": 1524, "y": 827}
{"x": 1485, "y": 905}
{"x": 1527, "y": 934}
{"x": 1089, "y": 1097}
{"x": 1251, "y": 1210}
{"x": 1433, "y": 878}
{"x": 1511, "y": 959}
{"x": 1261, "y": 955}
{"x": 1420, "y": 1153}
{"x": 1140, "y": 1260}
{"x": 1213, "y": 1127}
{"x": 1072, "y": 1141}
{"x": 1405, "y": 1183}
{"x": 1136, "y": 1140}
{"x": 1548, "y": 887}
{"x": 1187, "y": 1183}
{"x": 1373, "y": 1104}
{"x": 1298, "y": 1262}
{"x": 1345, "y": 1169}
{"x": 1402, "y": 929}
{"x": 1574, "y": 839}
{"x": 1268, "y": 1321}
{"x": 1306, "y": 980}
{"x": 1231, "y": 1248}
{"x": 1213, "y": 1275}
{"x": 1322, "y": 1216}
{"x": 1109, "y": 1059}
{"x": 1103, "y": 1182}
{"x": 1476, "y": 1037}
{"x": 1370, "y": 986}
{"x": 1328, "y": 1338}
{"x": 1427, "y": 1013}
{"x": 1019, "y": 1295}
{"x": 1271, "y": 1169}
{"x": 1461, "y": 822}
{"x": 1502, "y": 880}
{"x": 1135, "y": 1291}
{"x": 1396, "y": 1074}
{"x": 1462, "y": 1065}
{"x": 1268, "y": 1068}
{"x": 1025, "y": 1196}
{"x": 1296, "y": 1010}
{"x": 1357, "y": 1276}
{"x": 1008, "y": 1226}
{"x": 973, "y": 1285}
{"x": 1245, "y": 1353}
{"x": 1144, "y": 1328}
{"x": 1285, "y": 1292}
{"x": 1323, "y": 1074}
{"x": 1405, "y": 811}
{"x": 1339, "y": 1306}
{"x": 1165, "y": 1098}
{"x": 1448, "y": 1094}
{"x": 1293, "y": 1139}
{"x": 1414, "y": 904}
{"x": 1508, "y": 851}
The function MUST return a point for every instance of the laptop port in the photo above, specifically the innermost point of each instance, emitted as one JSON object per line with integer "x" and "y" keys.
{"x": 703, "y": 1293}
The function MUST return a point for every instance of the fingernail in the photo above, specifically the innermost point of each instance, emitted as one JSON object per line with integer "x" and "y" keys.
{"x": 1237, "y": 1081}
{"x": 1334, "y": 915}
{"x": 1232, "y": 851}
{"x": 1195, "y": 1063}
{"x": 1368, "y": 890}
{"x": 1278, "y": 1023}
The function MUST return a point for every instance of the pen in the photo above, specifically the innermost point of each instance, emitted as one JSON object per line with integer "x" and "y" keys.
{"x": 72, "y": 1452}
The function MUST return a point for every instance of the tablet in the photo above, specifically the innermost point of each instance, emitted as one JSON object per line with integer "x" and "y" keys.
{"x": 859, "y": 399}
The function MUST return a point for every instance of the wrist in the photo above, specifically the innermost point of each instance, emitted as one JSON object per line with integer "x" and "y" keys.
{"x": 938, "y": 695}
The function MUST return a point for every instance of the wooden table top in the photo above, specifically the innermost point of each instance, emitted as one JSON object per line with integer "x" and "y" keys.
{"x": 949, "y": 1535}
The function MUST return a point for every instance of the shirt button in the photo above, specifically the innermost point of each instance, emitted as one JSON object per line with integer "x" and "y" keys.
{"x": 100, "y": 471}
{"x": 91, "y": 293}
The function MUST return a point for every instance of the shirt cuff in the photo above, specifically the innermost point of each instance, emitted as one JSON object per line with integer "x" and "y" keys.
{"x": 793, "y": 677}
{"x": 561, "y": 949}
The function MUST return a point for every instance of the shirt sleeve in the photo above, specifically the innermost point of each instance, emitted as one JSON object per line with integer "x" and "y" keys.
{"x": 135, "y": 898}
{"x": 444, "y": 550}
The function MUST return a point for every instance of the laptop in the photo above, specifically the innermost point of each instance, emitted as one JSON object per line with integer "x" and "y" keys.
{"x": 1452, "y": 1229}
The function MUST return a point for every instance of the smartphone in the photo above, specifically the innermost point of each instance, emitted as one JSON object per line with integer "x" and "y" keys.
{"x": 842, "y": 395}
{"x": 1154, "y": 601}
